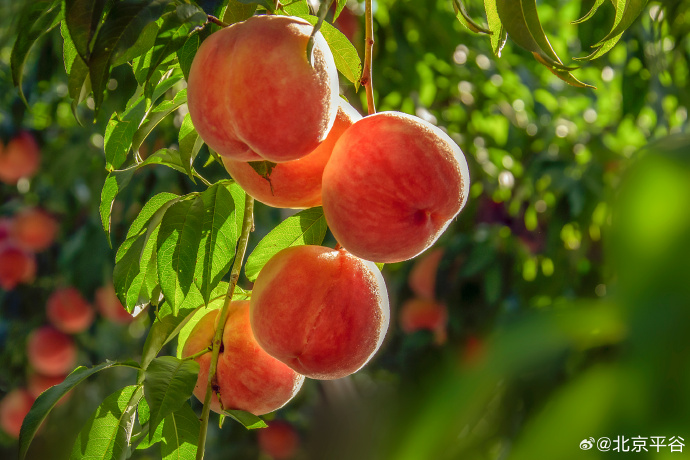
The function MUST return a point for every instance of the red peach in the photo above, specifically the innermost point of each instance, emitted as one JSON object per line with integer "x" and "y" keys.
{"x": 279, "y": 440}
{"x": 20, "y": 158}
{"x": 422, "y": 278}
{"x": 348, "y": 24}
{"x": 427, "y": 315}
{"x": 16, "y": 265}
{"x": 13, "y": 408}
{"x": 392, "y": 186}
{"x": 253, "y": 95}
{"x": 6, "y": 225}
{"x": 247, "y": 378}
{"x": 68, "y": 311}
{"x": 34, "y": 229}
{"x": 323, "y": 312}
{"x": 110, "y": 306}
{"x": 51, "y": 352}
{"x": 296, "y": 183}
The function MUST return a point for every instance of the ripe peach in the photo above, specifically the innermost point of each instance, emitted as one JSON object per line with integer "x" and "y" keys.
{"x": 392, "y": 186}
{"x": 20, "y": 158}
{"x": 427, "y": 315}
{"x": 13, "y": 408}
{"x": 247, "y": 378}
{"x": 51, "y": 352}
{"x": 34, "y": 229}
{"x": 296, "y": 183}
{"x": 323, "y": 312}
{"x": 279, "y": 440}
{"x": 68, "y": 311}
{"x": 38, "y": 383}
{"x": 110, "y": 306}
{"x": 253, "y": 95}
{"x": 16, "y": 265}
{"x": 6, "y": 225}
{"x": 422, "y": 278}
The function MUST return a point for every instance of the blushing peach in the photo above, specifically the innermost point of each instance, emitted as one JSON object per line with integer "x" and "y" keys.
{"x": 34, "y": 229}
{"x": 425, "y": 315}
{"x": 392, "y": 186}
{"x": 68, "y": 311}
{"x": 110, "y": 306}
{"x": 38, "y": 383}
{"x": 247, "y": 378}
{"x": 21, "y": 157}
{"x": 422, "y": 279}
{"x": 253, "y": 95}
{"x": 16, "y": 265}
{"x": 13, "y": 408}
{"x": 51, "y": 352}
{"x": 296, "y": 183}
{"x": 323, "y": 312}
{"x": 279, "y": 440}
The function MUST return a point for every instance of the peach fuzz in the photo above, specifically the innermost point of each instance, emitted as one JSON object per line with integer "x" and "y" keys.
{"x": 34, "y": 229}
{"x": 110, "y": 306}
{"x": 424, "y": 315}
{"x": 253, "y": 95}
{"x": 297, "y": 183}
{"x": 323, "y": 312}
{"x": 21, "y": 157}
{"x": 422, "y": 279}
{"x": 279, "y": 440}
{"x": 51, "y": 352}
{"x": 392, "y": 186}
{"x": 247, "y": 378}
{"x": 68, "y": 311}
{"x": 16, "y": 266}
{"x": 13, "y": 408}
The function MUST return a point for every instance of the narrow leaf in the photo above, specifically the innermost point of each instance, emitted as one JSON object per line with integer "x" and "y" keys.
{"x": 116, "y": 181}
{"x": 591, "y": 12}
{"x": 340, "y": 5}
{"x": 465, "y": 19}
{"x": 185, "y": 55}
{"x": 246, "y": 419}
{"x": 180, "y": 435}
{"x": 238, "y": 11}
{"x": 190, "y": 143}
{"x": 629, "y": 11}
{"x": 498, "y": 33}
{"x": 157, "y": 115}
{"x": 82, "y": 18}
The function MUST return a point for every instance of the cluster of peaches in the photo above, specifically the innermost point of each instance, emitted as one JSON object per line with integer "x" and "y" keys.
{"x": 389, "y": 184}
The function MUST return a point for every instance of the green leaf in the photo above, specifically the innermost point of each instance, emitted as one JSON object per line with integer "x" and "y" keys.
{"x": 168, "y": 157}
{"x": 47, "y": 400}
{"x": 591, "y": 12}
{"x": 82, "y": 18}
{"x": 116, "y": 181}
{"x": 247, "y": 419}
{"x": 142, "y": 439}
{"x": 123, "y": 27}
{"x": 498, "y": 32}
{"x": 268, "y": 4}
{"x": 39, "y": 18}
{"x": 190, "y": 143}
{"x": 466, "y": 20}
{"x": 344, "y": 53}
{"x": 221, "y": 227}
{"x": 168, "y": 383}
{"x": 339, "y": 8}
{"x": 628, "y": 11}
{"x": 178, "y": 244}
{"x": 297, "y": 8}
{"x": 165, "y": 328}
{"x": 531, "y": 16}
{"x": 305, "y": 227}
{"x": 238, "y": 11}
{"x": 180, "y": 435}
{"x": 107, "y": 433}
{"x": 263, "y": 168}
{"x": 185, "y": 55}
{"x": 157, "y": 115}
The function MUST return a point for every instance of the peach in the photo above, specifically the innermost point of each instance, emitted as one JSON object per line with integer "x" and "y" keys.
{"x": 392, "y": 186}
{"x": 20, "y": 158}
{"x": 68, "y": 311}
{"x": 6, "y": 225}
{"x": 323, "y": 312}
{"x": 253, "y": 95}
{"x": 425, "y": 315}
{"x": 279, "y": 440}
{"x": 296, "y": 183}
{"x": 110, "y": 306}
{"x": 34, "y": 229}
{"x": 13, "y": 408}
{"x": 16, "y": 265}
{"x": 348, "y": 24}
{"x": 51, "y": 352}
{"x": 247, "y": 378}
{"x": 422, "y": 279}
{"x": 38, "y": 383}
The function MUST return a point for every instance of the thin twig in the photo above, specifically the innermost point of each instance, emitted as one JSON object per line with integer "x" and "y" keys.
{"x": 217, "y": 21}
{"x": 247, "y": 226}
{"x": 200, "y": 353}
{"x": 366, "y": 80}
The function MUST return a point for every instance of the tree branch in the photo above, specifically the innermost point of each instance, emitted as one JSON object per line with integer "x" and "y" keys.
{"x": 366, "y": 80}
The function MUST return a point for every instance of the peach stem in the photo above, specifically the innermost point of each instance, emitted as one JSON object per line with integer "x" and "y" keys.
{"x": 247, "y": 226}
{"x": 367, "y": 74}
{"x": 216, "y": 21}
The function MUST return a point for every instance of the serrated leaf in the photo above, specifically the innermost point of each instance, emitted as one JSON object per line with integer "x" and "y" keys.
{"x": 178, "y": 244}
{"x": 190, "y": 143}
{"x": 221, "y": 227}
{"x": 305, "y": 227}
{"x": 156, "y": 115}
{"x": 82, "y": 18}
{"x": 147, "y": 213}
{"x": 185, "y": 55}
{"x": 170, "y": 158}
{"x": 238, "y": 12}
{"x": 180, "y": 435}
{"x": 591, "y": 12}
{"x": 498, "y": 32}
{"x": 116, "y": 181}
{"x": 123, "y": 27}
{"x": 339, "y": 8}
{"x": 47, "y": 400}
{"x": 344, "y": 53}
{"x": 263, "y": 169}
{"x": 466, "y": 20}
{"x": 628, "y": 11}
{"x": 246, "y": 419}
{"x": 168, "y": 383}
{"x": 107, "y": 433}
{"x": 39, "y": 18}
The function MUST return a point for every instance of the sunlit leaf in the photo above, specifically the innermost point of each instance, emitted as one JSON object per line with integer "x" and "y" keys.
{"x": 180, "y": 435}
